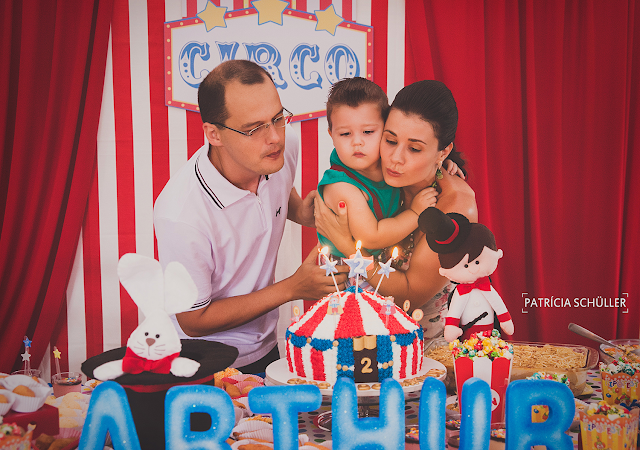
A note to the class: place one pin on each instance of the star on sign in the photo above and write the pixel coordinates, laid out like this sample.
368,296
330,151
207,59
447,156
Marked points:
213,16
26,356
357,265
329,267
385,268
57,353
27,342
328,20
270,10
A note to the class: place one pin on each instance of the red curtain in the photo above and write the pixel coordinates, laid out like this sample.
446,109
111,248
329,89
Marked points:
549,117
54,55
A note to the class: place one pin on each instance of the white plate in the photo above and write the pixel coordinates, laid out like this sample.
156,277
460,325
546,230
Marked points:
278,374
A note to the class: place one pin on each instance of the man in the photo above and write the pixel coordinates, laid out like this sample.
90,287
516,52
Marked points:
223,214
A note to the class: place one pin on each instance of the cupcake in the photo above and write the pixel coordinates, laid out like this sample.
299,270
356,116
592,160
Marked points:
30,394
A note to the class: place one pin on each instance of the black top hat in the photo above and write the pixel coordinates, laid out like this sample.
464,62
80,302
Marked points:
146,391
445,233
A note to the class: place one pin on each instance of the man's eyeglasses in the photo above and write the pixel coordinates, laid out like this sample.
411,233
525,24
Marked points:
261,130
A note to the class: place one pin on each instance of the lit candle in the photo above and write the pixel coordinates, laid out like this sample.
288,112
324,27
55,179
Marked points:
330,267
385,268
357,264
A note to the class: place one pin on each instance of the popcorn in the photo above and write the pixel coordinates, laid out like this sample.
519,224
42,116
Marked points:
10,429
481,345
550,376
620,381
620,366
612,412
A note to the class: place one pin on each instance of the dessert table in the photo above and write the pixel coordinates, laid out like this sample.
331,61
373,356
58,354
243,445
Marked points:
306,421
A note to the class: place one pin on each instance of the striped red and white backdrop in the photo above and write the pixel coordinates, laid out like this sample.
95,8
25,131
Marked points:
141,142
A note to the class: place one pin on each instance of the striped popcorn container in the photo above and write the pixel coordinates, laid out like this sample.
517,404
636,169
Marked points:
620,382
599,431
496,373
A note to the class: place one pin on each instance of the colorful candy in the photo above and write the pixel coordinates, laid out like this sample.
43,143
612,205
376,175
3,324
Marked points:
611,411
620,366
499,433
550,376
9,429
480,345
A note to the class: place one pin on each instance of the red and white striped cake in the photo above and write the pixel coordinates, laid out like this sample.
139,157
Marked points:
364,338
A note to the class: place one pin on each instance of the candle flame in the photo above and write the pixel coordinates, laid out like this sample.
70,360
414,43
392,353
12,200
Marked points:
324,250
394,255
358,245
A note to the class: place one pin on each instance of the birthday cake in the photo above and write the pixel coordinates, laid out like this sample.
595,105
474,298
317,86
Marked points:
364,337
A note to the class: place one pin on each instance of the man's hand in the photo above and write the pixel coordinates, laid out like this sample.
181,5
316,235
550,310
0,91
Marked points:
311,283
301,211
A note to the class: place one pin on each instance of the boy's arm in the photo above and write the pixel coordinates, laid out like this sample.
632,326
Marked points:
362,222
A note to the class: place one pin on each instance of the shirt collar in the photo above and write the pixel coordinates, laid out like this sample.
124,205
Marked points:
220,190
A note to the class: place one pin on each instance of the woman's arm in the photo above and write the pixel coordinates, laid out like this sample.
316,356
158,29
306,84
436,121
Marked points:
422,280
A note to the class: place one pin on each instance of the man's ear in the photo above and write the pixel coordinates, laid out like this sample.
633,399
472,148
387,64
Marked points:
212,133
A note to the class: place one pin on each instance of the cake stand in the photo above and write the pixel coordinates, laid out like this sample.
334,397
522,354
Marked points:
278,374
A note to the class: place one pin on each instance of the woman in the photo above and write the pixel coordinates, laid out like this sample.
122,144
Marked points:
418,136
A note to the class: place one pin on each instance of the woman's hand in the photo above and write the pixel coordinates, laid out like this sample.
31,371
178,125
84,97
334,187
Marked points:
334,227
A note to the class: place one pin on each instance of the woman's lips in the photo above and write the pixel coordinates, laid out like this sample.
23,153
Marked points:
393,173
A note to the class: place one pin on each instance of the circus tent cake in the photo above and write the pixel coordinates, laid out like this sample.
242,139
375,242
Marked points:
364,337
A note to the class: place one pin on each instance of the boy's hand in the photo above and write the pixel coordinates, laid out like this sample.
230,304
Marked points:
452,168
423,200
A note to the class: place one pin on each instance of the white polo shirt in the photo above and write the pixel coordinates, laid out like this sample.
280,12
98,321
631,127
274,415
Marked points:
227,238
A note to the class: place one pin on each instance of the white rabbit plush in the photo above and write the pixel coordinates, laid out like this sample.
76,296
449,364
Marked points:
155,345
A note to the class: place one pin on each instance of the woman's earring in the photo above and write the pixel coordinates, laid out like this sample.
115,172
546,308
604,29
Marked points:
438,174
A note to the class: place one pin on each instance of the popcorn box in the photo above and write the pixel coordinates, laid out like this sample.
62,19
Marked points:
620,387
496,373
599,432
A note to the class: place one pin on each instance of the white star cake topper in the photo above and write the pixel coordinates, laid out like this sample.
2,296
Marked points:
329,267
357,265
386,269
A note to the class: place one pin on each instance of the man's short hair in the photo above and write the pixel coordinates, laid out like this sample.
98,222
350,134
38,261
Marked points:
211,93
354,92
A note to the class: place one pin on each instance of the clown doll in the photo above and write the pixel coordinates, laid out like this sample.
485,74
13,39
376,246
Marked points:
468,255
